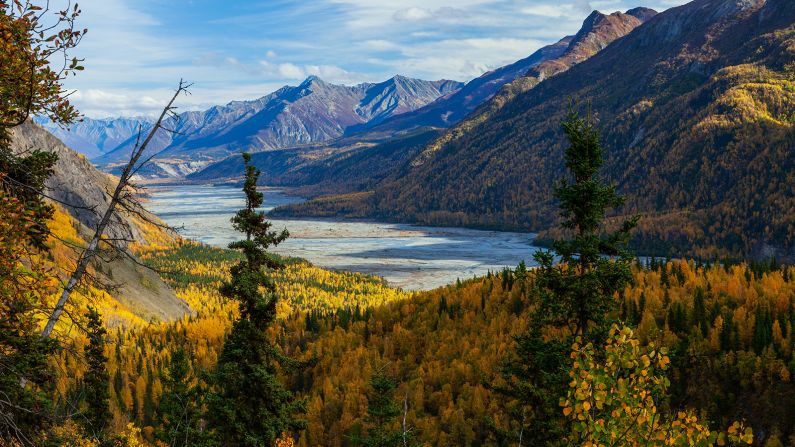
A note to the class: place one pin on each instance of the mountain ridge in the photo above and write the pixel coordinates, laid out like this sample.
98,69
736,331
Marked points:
501,83
313,111
78,189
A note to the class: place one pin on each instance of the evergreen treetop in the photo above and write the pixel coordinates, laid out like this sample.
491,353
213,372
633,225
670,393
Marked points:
572,291
381,413
96,380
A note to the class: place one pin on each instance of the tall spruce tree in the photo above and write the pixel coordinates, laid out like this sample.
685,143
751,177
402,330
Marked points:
249,405
573,290
179,410
96,381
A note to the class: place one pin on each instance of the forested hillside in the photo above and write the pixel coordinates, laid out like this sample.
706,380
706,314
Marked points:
327,170
729,328
696,106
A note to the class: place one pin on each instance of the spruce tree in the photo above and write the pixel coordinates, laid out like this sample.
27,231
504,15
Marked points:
381,413
179,410
249,405
96,381
573,289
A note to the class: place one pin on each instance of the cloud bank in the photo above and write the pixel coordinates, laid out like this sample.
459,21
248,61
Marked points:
136,51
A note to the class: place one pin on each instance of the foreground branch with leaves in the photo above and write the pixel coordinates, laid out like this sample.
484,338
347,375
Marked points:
616,396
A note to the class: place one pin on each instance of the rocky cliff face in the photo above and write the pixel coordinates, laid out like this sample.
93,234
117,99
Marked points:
81,190
75,181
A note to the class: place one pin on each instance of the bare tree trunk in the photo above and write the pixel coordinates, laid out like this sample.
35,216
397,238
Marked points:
124,182
405,412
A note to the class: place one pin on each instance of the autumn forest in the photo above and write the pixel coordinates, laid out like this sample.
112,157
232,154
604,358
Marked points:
658,309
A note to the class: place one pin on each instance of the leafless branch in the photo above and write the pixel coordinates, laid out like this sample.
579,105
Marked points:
119,193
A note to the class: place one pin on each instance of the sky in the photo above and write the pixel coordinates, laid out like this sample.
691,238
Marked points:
136,51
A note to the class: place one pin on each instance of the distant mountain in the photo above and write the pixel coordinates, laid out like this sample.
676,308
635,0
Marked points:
597,32
696,109
449,110
313,111
94,137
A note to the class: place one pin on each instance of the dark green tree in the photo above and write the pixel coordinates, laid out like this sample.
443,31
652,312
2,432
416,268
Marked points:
381,413
249,405
179,410
96,381
26,379
573,289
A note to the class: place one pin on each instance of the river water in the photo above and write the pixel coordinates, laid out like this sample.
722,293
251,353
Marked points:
406,256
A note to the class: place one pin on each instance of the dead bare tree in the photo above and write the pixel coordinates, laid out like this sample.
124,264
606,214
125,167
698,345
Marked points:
122,197
405,430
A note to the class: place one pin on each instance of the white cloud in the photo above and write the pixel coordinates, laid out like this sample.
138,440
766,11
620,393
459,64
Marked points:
381,45
559,10
412,14
415,14
293,72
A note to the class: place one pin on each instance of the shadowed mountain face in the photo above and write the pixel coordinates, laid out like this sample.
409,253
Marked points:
313,111
82,191
696,110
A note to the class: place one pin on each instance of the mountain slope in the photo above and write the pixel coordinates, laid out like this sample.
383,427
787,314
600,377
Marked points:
313,111
80,190
449,110
696,107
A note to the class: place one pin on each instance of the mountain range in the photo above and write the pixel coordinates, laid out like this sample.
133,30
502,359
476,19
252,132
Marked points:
597,31
335,116
376,152
312,111
95,137
695,105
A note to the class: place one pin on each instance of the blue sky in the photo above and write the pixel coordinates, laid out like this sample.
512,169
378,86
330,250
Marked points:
137,50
